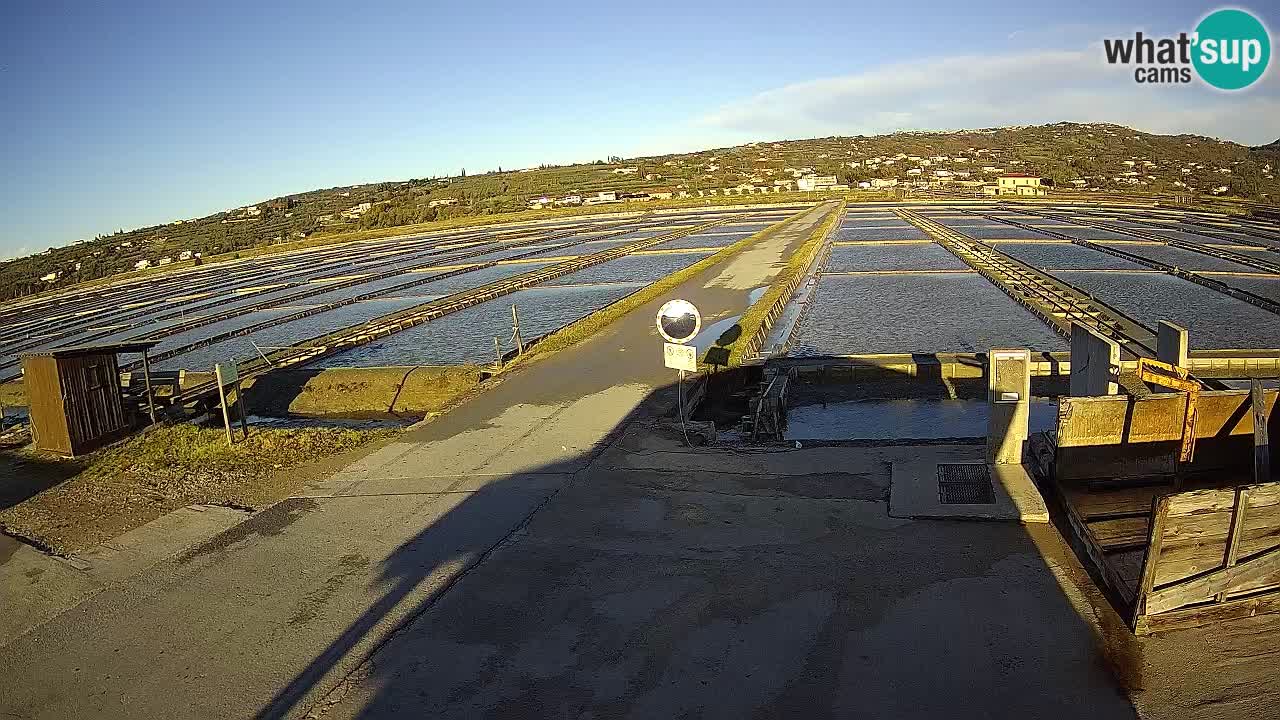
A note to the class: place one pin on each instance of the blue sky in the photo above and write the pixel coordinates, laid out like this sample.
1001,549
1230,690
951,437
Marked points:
120,115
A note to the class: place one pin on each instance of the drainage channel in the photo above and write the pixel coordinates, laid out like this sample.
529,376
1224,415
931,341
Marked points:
1056,302
778,340
1188,275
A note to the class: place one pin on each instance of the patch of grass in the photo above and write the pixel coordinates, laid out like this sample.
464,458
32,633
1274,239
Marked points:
759,318
584,328
363,392
88,500
13,394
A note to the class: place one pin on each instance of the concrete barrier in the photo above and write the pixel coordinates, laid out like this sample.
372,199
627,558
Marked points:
1095,361
1171,344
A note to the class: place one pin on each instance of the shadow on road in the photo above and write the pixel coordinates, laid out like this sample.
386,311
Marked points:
25,474
667,581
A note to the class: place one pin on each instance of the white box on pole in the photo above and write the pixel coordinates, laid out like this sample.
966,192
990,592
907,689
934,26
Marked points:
680,357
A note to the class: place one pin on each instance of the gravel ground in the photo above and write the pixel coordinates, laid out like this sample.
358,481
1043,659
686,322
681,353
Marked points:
71,505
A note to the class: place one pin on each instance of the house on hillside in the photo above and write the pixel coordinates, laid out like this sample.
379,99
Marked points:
356,211
1023,185
811,183
602,197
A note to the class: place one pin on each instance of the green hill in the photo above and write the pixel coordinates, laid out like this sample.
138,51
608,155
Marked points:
1102,156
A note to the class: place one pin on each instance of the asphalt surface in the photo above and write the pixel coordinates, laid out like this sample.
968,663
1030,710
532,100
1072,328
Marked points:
547,549
267,618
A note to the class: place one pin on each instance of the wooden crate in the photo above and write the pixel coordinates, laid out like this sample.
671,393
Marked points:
1166,557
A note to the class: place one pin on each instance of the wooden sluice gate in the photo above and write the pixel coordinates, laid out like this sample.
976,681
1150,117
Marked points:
769,415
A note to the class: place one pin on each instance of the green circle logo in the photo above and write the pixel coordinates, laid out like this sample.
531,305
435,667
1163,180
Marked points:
1232,49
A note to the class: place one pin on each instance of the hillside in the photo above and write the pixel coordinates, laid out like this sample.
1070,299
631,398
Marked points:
1099,156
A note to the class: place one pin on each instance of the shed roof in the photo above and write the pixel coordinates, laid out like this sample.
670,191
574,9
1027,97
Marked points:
136,346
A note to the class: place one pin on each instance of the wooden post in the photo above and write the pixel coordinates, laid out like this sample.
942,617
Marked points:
497,351
226,419
227,376
244,410
146,376
1233,537
1261,439
515,330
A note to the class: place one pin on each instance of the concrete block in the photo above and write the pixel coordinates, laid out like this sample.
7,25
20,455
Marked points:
1009,395
1171,344
1093,360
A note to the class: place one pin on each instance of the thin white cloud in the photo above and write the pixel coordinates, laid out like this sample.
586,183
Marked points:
1024,88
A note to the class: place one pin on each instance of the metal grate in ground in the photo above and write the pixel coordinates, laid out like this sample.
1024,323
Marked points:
965,484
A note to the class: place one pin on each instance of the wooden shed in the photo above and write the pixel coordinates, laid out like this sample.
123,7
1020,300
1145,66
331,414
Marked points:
74,396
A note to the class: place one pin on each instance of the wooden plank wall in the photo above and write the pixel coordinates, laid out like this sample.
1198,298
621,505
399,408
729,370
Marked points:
91,392
1209,548
1120,436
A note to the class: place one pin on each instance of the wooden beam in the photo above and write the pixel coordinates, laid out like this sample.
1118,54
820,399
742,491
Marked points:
1155,537
1233,535
151,403
1199,588
1261,442
1208,614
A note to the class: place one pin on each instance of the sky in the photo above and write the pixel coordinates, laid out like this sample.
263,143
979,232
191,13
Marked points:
123,115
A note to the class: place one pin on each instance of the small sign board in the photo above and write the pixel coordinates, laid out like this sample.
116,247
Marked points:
680,357
678,321
228,373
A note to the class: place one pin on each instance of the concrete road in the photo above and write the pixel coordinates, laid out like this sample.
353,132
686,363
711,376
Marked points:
265,619
728,585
